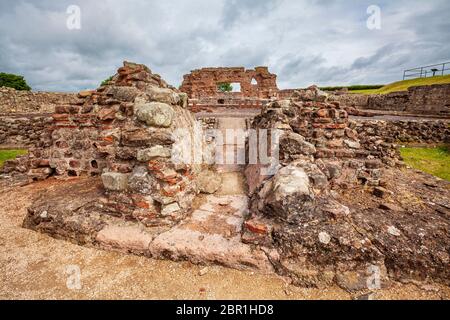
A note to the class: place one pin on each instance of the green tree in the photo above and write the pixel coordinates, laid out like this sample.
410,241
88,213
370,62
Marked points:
225,87
13,81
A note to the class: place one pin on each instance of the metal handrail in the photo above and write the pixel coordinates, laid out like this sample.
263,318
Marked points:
425,70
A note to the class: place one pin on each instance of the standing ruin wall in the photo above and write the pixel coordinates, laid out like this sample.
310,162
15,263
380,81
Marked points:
255,83
326,211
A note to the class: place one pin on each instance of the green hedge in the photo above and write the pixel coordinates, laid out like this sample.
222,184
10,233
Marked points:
13,81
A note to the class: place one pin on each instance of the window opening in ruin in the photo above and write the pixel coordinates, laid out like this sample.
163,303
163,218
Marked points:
229,87
254,82
221,101
236,87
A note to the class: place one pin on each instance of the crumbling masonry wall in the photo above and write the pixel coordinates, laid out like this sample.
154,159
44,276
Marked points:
15,101
125,132
381,137
25,116
25,130
323,236
431,100
203,83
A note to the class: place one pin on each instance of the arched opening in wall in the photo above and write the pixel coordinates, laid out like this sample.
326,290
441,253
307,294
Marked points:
221,101
254,82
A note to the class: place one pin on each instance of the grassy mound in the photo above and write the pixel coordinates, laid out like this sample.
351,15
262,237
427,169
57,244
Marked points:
435,161
404,85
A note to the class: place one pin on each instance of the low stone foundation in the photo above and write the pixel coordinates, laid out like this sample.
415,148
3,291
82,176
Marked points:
405,131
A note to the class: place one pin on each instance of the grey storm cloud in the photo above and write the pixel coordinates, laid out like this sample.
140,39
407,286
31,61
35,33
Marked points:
303,41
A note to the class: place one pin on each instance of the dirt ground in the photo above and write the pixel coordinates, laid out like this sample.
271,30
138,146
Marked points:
35,266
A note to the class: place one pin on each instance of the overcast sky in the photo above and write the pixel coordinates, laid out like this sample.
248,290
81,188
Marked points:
303,41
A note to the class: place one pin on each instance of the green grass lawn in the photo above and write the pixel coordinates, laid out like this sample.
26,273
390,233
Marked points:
10,154
435,161
404,85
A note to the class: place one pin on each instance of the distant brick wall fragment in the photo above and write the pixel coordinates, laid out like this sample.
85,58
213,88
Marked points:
15,101
256,83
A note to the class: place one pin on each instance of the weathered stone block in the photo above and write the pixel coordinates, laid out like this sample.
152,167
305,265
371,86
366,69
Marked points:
163,95
155,114
115,181
170,209
153,152
140,181
290,192
352,144
126,94
209,182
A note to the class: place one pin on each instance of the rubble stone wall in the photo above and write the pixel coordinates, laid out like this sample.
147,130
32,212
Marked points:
424,100
406,131
203,82
381,138
15,101
25,130
359,101
316,130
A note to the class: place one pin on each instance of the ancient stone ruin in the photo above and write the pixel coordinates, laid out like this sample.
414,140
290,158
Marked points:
333,205
257,83
257,86
305,212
